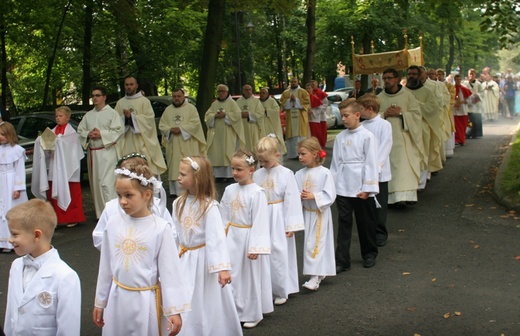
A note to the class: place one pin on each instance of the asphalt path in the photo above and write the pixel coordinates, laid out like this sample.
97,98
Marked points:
449,267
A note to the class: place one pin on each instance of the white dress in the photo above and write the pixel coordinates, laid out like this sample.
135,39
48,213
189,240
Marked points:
204,255
285,214
12,177
136,251
244,212
112,207
318,252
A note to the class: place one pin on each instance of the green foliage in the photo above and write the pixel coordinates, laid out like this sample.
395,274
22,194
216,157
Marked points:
510,183
171,40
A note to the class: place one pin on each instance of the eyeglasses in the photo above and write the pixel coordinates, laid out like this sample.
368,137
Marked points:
97,95
388,78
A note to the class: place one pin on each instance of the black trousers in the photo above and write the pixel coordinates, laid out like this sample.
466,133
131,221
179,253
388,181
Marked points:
382,199
476,121
365,212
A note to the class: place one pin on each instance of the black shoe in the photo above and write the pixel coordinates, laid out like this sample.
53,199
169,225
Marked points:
340,268
381,242
369,262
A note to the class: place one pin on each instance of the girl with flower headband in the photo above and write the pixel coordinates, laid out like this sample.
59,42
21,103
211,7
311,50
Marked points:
112,207
138,247
245,215
12,178
285,214
317,193
203,253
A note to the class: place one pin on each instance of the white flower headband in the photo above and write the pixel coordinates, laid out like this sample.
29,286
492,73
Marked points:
250,160
193,164
143,180
271,135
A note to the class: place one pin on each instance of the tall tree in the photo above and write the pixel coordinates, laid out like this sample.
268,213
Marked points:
210,55
308,65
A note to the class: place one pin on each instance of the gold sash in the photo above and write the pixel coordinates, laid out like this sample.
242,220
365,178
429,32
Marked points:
155,288
319,219
185,249
276,202
241,226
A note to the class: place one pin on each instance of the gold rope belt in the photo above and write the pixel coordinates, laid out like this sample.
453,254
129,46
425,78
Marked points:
275,202
240,226
155,288
318,230
185,249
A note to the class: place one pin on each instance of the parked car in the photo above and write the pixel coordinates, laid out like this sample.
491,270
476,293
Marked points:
28,127
335,98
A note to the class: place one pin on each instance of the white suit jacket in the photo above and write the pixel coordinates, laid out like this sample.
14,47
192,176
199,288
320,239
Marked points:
51,303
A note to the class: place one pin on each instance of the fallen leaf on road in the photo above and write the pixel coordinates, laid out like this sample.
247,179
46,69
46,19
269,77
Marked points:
512,211
493,207
401,230
447,315
434,279
472,242
416,334
458,313
517,258
470,205
476,247
412,309
406,273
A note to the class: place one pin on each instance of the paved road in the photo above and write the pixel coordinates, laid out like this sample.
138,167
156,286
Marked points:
449,267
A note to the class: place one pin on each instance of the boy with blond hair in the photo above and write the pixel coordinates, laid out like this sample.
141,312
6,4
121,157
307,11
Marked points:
355,170
44,293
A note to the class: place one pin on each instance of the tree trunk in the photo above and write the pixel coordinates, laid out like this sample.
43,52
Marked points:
5,83
50,62
87,51
211,50
311,42
451,51
126,18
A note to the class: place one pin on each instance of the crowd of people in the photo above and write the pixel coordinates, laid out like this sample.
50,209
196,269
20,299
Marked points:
215,266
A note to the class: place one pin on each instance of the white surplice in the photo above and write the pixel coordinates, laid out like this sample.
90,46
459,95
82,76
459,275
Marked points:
12,178
112,208
245,214
318,252
135,253
102,153
61,166
285,214
51,302
203,241
382,130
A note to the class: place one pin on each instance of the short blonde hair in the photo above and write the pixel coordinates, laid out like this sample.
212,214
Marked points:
268,144
369,100
65,110
34,214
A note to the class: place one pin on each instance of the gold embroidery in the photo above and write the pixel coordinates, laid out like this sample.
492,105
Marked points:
175,310
130,249
319,219
219,267
257,250
236,205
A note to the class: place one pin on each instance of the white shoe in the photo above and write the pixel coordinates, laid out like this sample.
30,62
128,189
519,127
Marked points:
250,325
312,284
279,301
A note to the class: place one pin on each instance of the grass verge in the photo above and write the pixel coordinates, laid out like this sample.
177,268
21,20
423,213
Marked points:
511,177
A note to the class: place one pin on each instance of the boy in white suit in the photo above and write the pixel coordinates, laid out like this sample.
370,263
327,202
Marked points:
44,293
